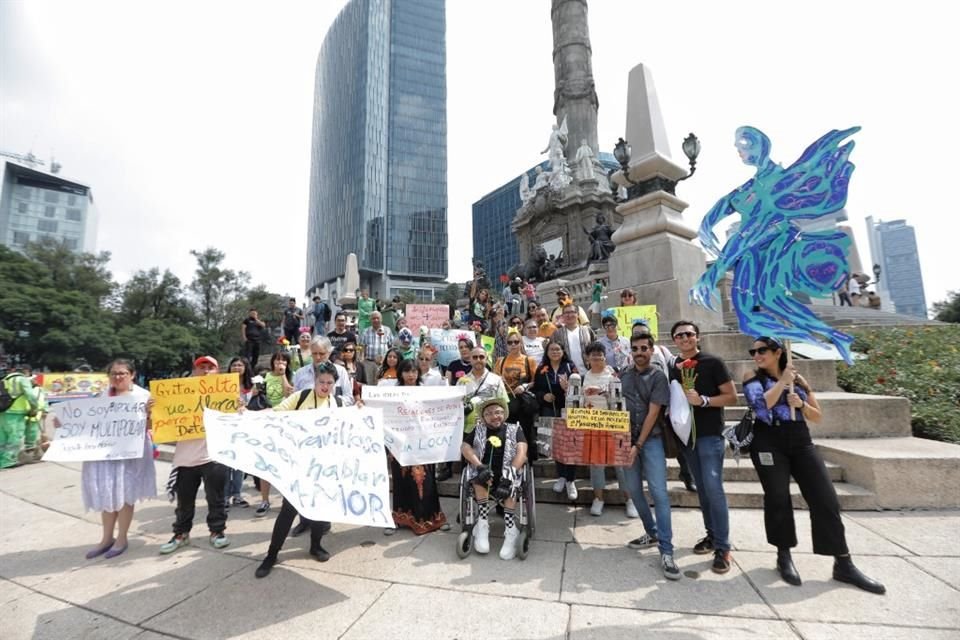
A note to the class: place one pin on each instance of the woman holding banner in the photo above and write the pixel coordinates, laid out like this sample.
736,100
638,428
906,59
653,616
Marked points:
416,501
113,487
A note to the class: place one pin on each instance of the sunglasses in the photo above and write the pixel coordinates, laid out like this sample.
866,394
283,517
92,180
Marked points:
516,324
424,359
513,342
760,350
684,334
349,350
478,357
642,348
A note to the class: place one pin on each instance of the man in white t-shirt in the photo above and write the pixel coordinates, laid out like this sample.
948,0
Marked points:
573,336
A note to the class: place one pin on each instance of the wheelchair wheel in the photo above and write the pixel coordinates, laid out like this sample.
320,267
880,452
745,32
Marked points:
464,543
530,502
523,544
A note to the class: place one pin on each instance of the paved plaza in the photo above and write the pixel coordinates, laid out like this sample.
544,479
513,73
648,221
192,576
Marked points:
579,581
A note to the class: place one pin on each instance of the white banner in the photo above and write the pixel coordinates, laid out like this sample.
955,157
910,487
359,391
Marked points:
421,425
103,428
329,463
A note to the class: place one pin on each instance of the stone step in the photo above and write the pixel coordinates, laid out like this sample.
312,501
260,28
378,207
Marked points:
739,495
732,471
822,374
903,472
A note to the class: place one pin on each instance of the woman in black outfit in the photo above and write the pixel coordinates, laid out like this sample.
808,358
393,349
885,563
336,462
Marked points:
550,387
782,448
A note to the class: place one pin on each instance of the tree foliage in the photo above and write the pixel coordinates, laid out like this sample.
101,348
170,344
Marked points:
948,310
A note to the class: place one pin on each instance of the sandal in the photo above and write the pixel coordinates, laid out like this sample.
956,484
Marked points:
99,551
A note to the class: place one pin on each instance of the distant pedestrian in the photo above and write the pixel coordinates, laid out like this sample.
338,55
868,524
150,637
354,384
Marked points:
251,332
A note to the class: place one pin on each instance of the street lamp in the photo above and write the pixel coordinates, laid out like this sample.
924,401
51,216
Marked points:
876,273
622,152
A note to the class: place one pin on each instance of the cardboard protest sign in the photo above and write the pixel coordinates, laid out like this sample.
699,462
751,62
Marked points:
626,316
426,315
422,425
445,342
103,428
179,403
488,342
589,445
328,463
597,419
72,385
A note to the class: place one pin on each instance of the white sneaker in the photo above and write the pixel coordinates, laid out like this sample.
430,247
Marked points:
596,508
481,536
559,484
509,549
572,492
631,509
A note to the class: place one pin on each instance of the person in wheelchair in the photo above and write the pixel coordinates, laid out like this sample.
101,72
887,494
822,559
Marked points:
496,452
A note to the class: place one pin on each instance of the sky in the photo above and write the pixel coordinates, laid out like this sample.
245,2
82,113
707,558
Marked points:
192,121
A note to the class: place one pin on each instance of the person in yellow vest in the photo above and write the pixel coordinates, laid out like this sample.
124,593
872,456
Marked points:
21,402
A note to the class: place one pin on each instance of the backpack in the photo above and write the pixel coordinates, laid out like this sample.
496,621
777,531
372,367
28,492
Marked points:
6,398
306,392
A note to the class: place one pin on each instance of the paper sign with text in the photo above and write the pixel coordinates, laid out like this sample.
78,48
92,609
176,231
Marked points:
422,425
587,446
179,403
445,342
598,419
103,428
426,315
626,316
328,463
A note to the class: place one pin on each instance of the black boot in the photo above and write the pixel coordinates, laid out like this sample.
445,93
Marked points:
845,571
264,569
786,569
301,527
317,551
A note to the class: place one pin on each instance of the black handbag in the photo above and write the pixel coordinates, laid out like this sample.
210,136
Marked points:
740,435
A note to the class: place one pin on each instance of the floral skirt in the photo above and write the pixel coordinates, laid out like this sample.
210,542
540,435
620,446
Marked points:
416,502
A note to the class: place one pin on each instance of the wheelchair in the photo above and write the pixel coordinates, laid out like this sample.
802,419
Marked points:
526,511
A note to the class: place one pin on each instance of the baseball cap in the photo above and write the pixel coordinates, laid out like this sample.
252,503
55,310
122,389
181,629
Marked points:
207,360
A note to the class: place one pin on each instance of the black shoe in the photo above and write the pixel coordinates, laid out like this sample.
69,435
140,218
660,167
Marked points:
689,485
264,569
444,473
721,561
301,527
321,554
786,569
845,571
704,546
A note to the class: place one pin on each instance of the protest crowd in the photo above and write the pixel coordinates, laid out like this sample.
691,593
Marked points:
361,400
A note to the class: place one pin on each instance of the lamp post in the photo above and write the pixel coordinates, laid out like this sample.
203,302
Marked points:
622,152
876,273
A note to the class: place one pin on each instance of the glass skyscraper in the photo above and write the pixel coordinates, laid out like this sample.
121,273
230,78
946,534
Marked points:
378,183
894,247
493,241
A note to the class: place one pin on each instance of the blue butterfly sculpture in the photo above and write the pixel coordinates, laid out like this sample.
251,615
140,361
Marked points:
771,258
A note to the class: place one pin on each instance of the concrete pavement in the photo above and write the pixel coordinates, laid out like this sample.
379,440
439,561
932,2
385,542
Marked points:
579,581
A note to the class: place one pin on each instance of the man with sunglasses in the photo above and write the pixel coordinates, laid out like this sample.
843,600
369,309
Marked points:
481,384
713,390
646,392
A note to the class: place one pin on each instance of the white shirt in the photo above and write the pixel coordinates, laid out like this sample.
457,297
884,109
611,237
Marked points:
303,379
854,287
576,351
533,347
433,378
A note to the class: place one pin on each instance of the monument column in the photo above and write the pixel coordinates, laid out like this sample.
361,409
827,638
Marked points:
574,95
655,254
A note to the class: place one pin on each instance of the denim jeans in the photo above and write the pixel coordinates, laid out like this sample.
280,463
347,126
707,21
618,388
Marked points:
706,464
652,464
234,484
598,477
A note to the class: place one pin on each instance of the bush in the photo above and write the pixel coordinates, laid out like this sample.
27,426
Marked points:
921,364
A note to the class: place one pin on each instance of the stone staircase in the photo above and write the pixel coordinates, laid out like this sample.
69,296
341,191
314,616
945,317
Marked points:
866,441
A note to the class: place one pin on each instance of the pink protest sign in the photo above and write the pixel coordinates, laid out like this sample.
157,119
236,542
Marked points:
427,315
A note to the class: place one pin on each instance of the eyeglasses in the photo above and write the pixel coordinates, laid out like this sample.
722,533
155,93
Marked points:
684,334
513,342
642,348
530,326
760,350
424,359
569,313
349,350
119,374
516,324
478,357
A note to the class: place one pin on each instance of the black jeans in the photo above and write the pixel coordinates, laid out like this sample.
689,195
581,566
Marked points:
566,471
283,523
251,351
685,475
214,477
787,450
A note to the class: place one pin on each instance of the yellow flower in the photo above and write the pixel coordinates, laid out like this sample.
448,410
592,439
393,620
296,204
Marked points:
494,441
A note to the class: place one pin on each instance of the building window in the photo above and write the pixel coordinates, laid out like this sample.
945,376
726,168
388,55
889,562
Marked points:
75,214
24,191
50,211
70,243
51,196
71,199
22,207
47,225
20,238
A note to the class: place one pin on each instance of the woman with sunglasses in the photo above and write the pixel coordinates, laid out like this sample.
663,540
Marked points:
517,370
416,501
781,448
356,370
532,342
430,375
550,386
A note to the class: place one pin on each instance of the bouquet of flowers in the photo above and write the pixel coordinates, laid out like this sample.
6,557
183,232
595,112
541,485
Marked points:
688,378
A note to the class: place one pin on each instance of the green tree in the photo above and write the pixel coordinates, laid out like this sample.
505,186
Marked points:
948,310
71,271
265,302
215,287
159,347
150,294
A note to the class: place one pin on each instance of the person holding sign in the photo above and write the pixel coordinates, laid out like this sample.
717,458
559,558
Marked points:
113,487
416,501
193,465
496,452
320,396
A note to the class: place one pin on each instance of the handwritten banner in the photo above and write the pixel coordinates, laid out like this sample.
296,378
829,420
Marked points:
426,315
587,446
626,316
179,403
445,342
104,428
421,425
72,386
328,463
598,419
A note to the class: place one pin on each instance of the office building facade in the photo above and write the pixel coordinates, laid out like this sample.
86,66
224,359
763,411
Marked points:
493,241
36,204
893,246
378,182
